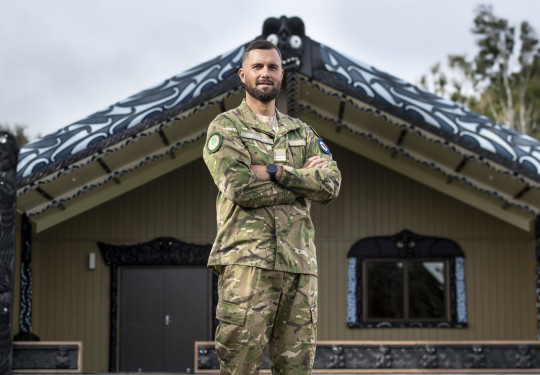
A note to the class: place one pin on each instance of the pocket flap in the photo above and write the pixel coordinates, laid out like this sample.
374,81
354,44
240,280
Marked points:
231,313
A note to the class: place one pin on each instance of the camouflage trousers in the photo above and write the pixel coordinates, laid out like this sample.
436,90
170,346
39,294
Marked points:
260,308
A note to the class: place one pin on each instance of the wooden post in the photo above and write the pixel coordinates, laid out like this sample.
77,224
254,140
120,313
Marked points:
8,200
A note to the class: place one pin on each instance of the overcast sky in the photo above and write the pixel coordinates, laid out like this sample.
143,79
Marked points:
62,60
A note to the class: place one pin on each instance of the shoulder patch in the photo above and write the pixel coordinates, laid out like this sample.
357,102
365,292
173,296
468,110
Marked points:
324,148
214,142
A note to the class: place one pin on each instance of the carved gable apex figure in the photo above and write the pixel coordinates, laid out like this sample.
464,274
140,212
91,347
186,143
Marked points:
289,35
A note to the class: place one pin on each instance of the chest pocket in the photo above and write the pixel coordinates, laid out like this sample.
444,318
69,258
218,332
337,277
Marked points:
297,152
259,146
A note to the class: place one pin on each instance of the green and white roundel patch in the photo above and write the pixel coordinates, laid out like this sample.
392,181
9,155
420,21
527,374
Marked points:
214,142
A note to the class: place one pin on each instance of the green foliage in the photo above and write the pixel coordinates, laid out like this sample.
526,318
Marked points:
501,81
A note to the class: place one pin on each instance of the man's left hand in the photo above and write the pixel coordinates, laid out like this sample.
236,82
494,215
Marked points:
312,162
260,171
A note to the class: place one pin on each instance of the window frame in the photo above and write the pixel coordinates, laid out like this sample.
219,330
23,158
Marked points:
409,246
406,296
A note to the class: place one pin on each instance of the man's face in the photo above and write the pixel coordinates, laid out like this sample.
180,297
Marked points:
262,74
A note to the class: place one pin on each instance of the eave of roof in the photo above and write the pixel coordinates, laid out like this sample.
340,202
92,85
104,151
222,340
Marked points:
409,150
437,115
127,118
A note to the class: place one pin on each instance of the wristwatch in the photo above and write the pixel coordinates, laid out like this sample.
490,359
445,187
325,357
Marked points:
272,169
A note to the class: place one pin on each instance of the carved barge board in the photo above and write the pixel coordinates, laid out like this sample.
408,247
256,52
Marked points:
406,357
47,357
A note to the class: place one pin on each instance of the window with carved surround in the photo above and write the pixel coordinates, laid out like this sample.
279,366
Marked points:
406,280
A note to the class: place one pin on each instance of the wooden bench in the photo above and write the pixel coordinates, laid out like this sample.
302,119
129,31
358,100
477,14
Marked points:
348,357
47,357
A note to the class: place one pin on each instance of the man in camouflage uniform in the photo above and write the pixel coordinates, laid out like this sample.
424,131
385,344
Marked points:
268,168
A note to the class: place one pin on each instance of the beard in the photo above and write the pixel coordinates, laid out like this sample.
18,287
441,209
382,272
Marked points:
264,96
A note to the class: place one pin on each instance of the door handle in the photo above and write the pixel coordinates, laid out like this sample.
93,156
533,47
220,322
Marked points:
168,320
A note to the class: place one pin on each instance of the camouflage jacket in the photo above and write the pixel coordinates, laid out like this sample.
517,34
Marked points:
263,223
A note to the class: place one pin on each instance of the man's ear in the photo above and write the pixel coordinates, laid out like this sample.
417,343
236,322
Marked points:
242,75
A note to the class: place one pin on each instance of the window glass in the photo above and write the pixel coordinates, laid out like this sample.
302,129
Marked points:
385,290
407,290
427,289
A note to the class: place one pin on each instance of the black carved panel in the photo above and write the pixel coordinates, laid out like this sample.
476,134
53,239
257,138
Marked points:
164,251
405,244
47,356
8,188
25,303
427,356
161,251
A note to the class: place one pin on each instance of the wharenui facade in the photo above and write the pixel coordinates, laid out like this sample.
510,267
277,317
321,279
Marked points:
427,260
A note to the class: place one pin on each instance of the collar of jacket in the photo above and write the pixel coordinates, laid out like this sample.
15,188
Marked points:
285,122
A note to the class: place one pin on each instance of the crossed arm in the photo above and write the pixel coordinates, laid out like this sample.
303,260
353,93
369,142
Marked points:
249,185
313,161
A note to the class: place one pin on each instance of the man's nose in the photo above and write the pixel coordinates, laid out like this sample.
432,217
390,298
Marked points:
265,72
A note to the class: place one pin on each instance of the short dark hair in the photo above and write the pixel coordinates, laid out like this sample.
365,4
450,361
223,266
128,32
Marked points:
259,44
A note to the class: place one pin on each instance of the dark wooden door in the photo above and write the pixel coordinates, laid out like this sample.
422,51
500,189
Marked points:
163,310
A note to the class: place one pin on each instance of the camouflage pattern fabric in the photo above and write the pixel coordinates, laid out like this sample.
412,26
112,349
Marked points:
259,308
261,223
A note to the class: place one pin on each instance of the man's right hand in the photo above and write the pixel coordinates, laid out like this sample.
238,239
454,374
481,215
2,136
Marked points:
315,161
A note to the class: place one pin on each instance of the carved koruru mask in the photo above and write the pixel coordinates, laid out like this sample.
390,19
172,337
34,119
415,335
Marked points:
289,35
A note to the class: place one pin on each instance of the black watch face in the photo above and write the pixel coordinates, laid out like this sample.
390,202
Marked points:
271,168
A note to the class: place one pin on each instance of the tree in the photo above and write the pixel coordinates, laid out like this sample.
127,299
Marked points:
18,131
500,81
